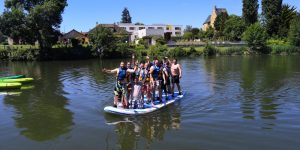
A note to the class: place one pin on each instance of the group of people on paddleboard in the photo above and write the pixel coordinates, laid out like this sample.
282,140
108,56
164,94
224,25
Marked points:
145,78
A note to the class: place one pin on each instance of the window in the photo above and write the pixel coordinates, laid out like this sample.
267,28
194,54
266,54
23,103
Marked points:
168,28
160,28
178,33
150,27
140,28
177,28
131,28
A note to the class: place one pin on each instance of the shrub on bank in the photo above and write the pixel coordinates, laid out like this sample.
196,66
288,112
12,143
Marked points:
256,37
284,49
209,50
232,50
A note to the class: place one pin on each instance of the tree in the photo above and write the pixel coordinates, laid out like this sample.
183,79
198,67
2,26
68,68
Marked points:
234,28
13,24
256,37
220,24
220,21
294,33
271,13
210,32
40,18
288,13
188,28
103,40
188,36
126,18
195,32
250,11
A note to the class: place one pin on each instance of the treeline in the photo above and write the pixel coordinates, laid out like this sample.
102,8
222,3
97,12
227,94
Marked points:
31,21
276,27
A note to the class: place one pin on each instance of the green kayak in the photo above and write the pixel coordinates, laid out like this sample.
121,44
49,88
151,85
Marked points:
21,80
7,86
13,77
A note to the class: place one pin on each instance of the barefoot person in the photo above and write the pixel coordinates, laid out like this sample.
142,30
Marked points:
176,72
136,96
121,84
166,84
155,79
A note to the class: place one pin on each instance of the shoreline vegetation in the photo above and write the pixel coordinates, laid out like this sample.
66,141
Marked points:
63,52
276,31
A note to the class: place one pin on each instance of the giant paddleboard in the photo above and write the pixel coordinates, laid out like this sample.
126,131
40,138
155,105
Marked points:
148,108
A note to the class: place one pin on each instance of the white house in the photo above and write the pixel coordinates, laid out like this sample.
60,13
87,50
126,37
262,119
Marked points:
137,31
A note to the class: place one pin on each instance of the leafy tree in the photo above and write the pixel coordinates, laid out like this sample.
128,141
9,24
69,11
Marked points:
210,32
250,11
271,13
294,33
288,13
220,21
103,41
126,18
188,28
14,24
234,28
201,34
40,18
256,37
195,32
188,36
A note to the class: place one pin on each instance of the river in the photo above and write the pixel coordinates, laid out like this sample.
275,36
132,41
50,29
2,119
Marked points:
237,102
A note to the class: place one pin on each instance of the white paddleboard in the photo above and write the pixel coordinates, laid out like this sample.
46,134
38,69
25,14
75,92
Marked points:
148,107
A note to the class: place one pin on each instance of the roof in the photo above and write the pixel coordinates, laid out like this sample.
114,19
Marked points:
221,10
73,34
207,20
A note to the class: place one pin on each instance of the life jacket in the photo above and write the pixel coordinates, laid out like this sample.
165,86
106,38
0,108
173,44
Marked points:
142,74
156,72
122,74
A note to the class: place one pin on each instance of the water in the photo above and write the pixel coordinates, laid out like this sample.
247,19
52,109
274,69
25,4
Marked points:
232,103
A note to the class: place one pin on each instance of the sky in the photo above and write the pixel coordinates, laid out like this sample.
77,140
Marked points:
82,15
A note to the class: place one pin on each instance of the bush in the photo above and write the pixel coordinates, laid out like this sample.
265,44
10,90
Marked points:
232,51
280,49
75,42
277,42
209,50
294,33
176,52
256,37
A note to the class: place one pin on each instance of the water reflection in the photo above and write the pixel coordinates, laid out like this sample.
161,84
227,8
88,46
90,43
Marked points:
259,78
41,114
141,131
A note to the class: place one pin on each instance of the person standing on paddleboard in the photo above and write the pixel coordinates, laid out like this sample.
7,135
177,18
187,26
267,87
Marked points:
156,78
176,73
121,84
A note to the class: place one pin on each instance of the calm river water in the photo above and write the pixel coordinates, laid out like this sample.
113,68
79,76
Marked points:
231,103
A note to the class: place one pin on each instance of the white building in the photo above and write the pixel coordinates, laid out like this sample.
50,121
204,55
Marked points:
140,31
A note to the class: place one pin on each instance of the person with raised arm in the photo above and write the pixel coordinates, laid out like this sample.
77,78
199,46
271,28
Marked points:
120,90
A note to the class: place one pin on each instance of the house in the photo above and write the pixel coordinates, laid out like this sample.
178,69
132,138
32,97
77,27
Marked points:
136,30
73,34
210,21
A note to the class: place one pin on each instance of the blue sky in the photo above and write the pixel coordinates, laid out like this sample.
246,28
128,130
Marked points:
82,15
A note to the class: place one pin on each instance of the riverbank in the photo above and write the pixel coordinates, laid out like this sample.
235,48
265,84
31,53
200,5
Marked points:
62,52
33,53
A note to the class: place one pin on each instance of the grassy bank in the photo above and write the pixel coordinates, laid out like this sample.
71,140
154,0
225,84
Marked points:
31,53
67,52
